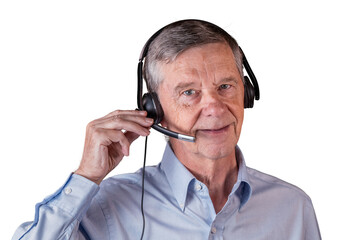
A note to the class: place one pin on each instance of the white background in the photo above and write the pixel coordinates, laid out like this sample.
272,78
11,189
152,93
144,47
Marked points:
65,63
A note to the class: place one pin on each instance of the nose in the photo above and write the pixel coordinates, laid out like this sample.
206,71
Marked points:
212,104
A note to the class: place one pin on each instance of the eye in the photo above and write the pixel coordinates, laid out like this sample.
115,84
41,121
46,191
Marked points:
189,92
224,86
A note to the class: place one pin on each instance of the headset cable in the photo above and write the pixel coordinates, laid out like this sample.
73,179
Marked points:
143,175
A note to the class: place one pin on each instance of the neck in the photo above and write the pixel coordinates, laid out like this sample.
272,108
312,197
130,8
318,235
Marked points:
219,175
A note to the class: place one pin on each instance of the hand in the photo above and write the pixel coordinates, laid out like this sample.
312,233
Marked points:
108,140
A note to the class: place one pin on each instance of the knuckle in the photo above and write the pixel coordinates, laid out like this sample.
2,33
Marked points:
91,125
116,118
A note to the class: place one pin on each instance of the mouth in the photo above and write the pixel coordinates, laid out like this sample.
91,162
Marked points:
214,131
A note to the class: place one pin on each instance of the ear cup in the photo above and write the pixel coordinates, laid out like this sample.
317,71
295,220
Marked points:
153,107
249,93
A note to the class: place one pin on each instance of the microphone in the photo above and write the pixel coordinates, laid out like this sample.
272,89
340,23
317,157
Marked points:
171,133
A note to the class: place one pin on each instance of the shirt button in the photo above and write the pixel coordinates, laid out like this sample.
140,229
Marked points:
198,187
67,191
213,230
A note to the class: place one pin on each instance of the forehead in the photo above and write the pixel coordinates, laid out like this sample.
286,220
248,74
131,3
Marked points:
208,59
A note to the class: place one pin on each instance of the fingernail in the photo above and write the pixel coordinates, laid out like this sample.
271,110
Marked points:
149,120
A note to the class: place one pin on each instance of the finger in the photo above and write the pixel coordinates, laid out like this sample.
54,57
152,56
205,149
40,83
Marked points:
118,137
116,150
135,116
115,153
139,119
126,112
139,125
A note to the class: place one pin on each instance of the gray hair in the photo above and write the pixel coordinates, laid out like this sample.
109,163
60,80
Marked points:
179,36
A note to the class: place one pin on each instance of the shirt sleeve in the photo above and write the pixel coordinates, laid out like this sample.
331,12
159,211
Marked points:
312,231
58,216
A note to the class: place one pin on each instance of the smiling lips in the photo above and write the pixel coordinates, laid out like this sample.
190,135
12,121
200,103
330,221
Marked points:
215,131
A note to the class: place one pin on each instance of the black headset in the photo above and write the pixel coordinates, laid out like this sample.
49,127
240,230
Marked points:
150,102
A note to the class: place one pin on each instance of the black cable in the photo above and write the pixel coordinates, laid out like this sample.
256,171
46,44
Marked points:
143,174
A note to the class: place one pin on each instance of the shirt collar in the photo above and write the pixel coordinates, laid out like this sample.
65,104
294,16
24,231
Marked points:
242,187
179,178
177,175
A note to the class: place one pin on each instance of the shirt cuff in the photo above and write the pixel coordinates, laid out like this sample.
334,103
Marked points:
74,197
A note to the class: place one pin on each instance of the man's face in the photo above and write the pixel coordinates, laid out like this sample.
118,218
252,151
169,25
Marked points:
202,95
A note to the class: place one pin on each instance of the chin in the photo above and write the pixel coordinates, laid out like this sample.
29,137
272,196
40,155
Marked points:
217,150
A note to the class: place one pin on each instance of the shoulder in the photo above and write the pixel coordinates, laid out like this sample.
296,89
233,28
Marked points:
267,185
131,183
281,208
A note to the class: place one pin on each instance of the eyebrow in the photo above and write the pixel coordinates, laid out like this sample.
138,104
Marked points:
229,79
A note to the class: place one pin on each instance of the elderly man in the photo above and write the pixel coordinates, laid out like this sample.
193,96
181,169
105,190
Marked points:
202,189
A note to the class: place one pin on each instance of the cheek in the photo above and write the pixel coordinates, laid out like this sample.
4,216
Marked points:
236,112
236,106
240,118
182,116
239,115
178,116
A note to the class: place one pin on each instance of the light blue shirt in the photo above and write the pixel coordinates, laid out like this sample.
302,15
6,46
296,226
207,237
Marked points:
176,205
